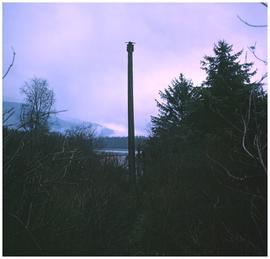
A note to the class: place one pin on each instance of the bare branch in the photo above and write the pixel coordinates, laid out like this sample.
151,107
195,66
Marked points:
251,25
265,4
254,217
69,163
256,138
10,66
8,114
226,120
21,146
252,50
225,169
39,100
244,138
29,215
27,230
265,75
239,185
259,150
245,124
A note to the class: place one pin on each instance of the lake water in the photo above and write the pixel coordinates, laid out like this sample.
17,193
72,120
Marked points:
120,154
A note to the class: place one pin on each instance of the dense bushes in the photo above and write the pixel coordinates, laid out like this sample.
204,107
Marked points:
60,198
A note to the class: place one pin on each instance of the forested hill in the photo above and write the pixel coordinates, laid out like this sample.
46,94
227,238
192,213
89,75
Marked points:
12,113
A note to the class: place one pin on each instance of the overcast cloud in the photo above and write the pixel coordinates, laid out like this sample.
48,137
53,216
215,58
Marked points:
80,49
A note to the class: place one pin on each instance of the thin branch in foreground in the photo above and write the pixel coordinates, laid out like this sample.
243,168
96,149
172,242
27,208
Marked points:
259,150
10,66
244,138
228,173
251,25
265,75
29,215
8,114
254,54
245,124
27,230
239,190
265,4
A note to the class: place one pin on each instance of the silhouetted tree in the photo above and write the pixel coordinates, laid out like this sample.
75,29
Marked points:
235,105
175,107
205,163
39,100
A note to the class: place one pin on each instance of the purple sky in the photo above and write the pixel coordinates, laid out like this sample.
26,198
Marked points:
80,49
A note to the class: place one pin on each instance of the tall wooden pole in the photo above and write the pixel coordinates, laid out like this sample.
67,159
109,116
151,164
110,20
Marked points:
131,141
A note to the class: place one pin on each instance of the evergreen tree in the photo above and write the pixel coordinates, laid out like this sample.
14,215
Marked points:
175,108
227,86
234,106
207,157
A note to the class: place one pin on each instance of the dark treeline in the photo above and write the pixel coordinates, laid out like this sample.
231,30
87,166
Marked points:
201,177
119,142
205,164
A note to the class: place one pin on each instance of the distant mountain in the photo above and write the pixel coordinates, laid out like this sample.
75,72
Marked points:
11,118
61,125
